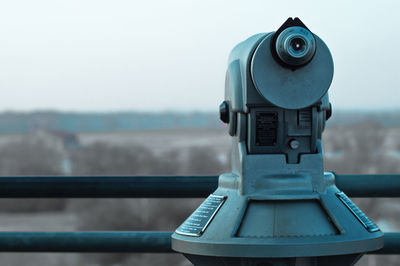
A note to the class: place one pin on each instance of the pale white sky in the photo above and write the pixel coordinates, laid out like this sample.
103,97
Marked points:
93,55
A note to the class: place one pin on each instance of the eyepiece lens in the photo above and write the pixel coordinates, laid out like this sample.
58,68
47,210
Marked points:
295,46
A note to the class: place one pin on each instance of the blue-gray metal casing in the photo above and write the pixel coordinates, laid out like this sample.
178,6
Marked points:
252,71
272,208
319,224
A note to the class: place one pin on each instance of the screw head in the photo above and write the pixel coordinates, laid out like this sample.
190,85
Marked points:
294,144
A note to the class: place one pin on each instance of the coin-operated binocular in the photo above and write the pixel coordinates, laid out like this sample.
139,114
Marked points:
277,207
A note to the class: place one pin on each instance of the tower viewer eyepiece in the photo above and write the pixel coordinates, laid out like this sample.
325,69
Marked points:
295,46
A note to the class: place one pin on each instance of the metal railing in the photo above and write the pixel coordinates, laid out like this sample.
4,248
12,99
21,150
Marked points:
165,186
119,242
146,187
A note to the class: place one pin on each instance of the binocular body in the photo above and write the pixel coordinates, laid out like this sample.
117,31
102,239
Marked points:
277,206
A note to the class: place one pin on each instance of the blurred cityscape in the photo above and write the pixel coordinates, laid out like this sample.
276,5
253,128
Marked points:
53,143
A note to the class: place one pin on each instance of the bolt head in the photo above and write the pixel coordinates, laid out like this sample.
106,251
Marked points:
294,144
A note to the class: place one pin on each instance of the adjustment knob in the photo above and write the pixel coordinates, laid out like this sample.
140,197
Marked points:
224,112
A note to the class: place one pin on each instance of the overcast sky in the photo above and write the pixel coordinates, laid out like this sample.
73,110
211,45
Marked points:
81,55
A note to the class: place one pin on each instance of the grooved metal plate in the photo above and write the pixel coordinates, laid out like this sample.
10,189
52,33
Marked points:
198,221
364,220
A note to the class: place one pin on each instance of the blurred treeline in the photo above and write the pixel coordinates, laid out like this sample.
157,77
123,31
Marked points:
363,148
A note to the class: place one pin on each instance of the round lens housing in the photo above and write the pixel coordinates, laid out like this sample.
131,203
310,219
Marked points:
295,46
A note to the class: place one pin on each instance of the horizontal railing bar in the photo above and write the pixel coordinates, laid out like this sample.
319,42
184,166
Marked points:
107,186
155,242
391,245
369,185
117,241
164,186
